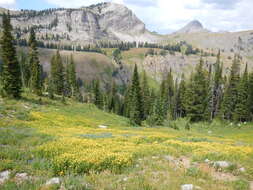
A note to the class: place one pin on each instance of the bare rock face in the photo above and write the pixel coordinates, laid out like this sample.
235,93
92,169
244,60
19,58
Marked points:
101,22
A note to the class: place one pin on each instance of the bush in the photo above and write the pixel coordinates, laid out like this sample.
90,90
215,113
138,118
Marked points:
241,185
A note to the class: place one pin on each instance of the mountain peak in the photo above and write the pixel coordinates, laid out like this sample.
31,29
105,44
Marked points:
194,26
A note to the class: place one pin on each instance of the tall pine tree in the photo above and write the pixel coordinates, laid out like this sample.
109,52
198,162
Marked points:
71,77
136,101
36,82
196,94
241,112
146,95
57,74
11,75
250,96
230,96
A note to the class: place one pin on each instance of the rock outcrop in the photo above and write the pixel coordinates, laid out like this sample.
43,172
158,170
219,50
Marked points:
101,22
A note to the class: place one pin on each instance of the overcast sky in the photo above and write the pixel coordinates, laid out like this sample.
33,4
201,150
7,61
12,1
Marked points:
165,16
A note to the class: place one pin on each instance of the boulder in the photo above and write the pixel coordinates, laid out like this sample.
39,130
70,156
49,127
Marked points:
102,127
187,187
4,176
222,164
190,187
169,158
20,177
242,169
53,181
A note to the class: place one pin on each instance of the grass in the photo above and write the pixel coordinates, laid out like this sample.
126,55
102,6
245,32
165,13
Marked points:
46,138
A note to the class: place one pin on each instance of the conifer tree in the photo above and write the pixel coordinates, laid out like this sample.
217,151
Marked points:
156,114
112,103
36,83
170,90
196,94
136,101
164,98
231,91
11,75
98,97
145,95
216,89
127,102
71,77
250,96
241,112
57,74
25,69
179,99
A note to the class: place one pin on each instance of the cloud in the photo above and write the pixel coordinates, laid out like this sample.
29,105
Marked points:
222,4
7,3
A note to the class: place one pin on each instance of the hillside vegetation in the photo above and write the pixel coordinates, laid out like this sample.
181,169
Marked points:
46,138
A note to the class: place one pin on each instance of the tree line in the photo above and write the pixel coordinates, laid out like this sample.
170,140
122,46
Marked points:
208,94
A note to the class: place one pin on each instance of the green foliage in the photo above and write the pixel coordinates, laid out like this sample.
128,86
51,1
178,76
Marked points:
146,96
241,185
231,91
98,96
195,95
57,74
136,100
36,81
241,112
11,75
117,55
71,79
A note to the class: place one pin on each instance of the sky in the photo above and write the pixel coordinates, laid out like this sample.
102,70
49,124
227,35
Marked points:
166,16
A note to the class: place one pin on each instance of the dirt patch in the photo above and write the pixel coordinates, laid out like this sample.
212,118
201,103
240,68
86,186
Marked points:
251,185
215,174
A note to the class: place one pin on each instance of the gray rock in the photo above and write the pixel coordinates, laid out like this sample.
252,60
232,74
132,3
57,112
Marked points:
21,177
53,181
104,21
187,187
169,158
207,160
102,127
242,169
4,176
222,164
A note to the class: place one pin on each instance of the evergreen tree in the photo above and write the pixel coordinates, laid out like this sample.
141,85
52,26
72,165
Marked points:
196,94
127,102
98,97
11,75
250,96
231,91
136,101
145,95
112,103
36,83
57,74
178,101
71,78
164,99
241,112
24,69
156,114
170,91
216,89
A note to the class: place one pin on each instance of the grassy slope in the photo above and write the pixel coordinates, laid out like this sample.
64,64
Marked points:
47,138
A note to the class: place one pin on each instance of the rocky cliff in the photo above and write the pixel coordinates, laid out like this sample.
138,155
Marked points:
101,22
